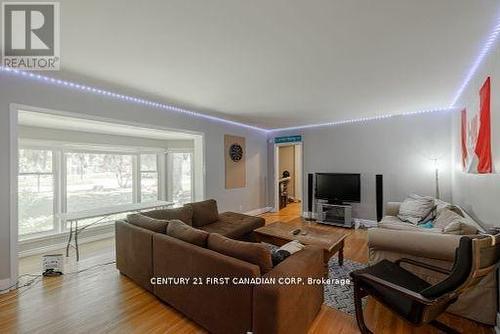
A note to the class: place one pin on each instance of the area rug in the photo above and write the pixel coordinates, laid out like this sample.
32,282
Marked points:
337,295
341,296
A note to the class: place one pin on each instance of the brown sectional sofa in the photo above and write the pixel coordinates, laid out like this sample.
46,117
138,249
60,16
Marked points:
142,254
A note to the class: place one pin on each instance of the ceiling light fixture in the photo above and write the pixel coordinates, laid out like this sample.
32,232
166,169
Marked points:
122,97
363,119
484,52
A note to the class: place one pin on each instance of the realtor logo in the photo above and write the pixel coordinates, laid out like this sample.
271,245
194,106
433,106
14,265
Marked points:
30,38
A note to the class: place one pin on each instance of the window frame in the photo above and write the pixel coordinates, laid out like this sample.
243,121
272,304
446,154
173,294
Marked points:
55,195
59,172
158,171
169,174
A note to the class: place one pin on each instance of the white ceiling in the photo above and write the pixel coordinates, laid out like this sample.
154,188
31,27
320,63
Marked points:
278,63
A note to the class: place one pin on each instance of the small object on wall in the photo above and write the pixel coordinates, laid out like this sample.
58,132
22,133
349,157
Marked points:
53,265
236,152
483,145
235,161
476,135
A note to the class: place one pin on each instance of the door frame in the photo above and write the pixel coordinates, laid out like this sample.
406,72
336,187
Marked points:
276,176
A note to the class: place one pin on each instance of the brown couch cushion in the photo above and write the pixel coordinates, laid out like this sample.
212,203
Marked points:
182,231
234,225
155,225
257,254
184,214
204,212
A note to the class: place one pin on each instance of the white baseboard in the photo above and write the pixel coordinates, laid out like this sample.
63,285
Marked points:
367,223
305,214
62,245
259,211
4,284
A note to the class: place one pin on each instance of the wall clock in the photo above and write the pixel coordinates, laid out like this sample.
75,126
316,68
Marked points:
236,152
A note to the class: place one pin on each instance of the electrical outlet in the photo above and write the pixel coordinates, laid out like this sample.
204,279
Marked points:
241,208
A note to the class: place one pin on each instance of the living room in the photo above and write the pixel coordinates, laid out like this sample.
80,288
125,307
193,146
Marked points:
265,167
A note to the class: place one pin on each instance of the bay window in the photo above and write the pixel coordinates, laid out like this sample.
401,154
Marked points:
149,177
181,177
95,180
36,191
58,180
55,181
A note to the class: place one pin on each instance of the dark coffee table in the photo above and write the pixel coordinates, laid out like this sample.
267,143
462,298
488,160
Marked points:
326,237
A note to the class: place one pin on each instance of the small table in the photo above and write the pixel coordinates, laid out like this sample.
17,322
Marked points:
326,237
102,214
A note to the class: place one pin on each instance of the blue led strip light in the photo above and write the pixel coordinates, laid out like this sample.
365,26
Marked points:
484,52
131,99
363,119
126,98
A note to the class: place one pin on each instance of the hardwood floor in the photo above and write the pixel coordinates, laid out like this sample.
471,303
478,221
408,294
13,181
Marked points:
100,300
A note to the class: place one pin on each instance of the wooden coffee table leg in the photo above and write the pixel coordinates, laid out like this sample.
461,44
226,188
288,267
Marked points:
341,254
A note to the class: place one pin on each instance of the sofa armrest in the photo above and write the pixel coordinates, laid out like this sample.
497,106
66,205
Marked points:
392,208
282,308
422,244
134,247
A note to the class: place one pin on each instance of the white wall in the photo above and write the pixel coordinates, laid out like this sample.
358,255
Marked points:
478,194
400,148
24,91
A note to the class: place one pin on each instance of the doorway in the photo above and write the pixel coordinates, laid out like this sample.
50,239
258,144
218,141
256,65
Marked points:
288,175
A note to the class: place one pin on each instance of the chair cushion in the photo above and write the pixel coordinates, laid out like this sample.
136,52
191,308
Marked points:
155,225
184,214
255,253
234,225
204,212
393,273
182,231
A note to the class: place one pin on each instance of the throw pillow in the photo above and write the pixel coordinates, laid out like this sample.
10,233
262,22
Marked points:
452,223
285,251
148,223
184,214
204,212
182,231
257,254
415,209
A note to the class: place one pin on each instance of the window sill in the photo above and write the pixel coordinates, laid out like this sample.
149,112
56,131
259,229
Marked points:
57,242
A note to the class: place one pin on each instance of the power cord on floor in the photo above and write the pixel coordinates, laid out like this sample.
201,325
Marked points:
17,286
36,279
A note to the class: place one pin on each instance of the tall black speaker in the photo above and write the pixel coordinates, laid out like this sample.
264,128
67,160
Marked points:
310,195
379,190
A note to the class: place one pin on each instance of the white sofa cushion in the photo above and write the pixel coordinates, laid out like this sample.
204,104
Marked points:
452,223
415,209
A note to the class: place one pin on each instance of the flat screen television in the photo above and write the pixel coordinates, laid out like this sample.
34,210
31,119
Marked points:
337,187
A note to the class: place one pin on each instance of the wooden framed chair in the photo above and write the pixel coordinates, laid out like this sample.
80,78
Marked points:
416,300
